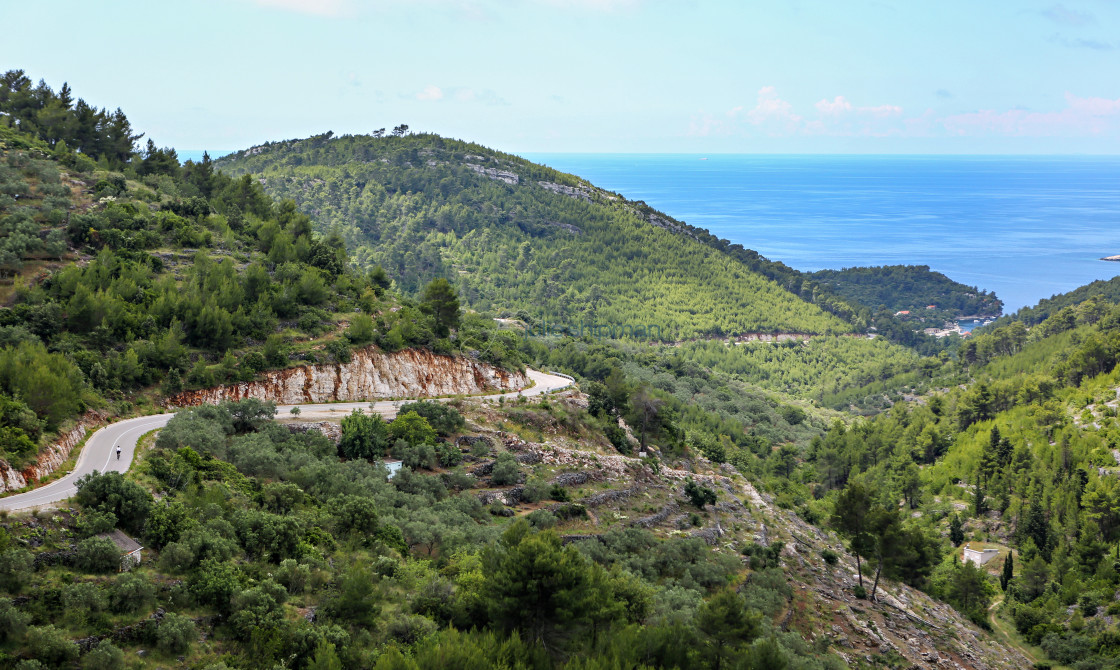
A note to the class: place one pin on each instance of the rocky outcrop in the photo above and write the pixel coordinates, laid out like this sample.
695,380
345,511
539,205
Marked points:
370,374
495,173
330,430
51,458
578,192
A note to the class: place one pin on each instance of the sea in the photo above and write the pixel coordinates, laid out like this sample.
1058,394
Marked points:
1025,228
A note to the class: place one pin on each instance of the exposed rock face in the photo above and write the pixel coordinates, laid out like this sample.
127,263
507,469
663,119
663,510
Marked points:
495,173
50,458
370,374
578,192
662,222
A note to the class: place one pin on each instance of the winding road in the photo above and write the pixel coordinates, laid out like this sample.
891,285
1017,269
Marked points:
99,452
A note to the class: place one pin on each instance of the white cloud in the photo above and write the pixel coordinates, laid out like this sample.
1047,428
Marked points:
771,112
776,117
430,92
1081,117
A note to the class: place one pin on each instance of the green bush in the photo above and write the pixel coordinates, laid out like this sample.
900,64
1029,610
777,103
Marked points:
13,623
412,428
105,656
51,646
699,495
98,555
441,416
132,592
506,470
15,569
176,633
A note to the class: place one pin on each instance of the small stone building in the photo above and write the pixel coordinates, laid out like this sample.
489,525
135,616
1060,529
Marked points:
976,554
129,548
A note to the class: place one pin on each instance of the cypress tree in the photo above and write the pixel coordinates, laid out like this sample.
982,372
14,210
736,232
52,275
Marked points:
956,532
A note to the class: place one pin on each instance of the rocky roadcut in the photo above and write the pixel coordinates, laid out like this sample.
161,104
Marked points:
369,375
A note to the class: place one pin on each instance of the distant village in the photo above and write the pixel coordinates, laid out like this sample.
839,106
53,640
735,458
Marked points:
949,327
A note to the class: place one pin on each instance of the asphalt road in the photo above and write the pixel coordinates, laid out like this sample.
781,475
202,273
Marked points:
99,453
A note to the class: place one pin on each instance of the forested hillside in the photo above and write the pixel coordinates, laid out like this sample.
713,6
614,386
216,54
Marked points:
516,236
128,275
1108,291
1026,458
914,288
680,504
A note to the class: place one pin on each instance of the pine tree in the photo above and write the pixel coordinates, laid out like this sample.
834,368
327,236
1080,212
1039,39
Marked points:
441,302
956,531
850,519
978,506
1008,572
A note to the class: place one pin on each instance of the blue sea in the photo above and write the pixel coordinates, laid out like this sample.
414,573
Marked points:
1023,227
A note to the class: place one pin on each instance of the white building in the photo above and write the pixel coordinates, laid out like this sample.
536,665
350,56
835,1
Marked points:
974,553
131,551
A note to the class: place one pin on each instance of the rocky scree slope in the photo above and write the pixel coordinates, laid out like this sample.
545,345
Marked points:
903,623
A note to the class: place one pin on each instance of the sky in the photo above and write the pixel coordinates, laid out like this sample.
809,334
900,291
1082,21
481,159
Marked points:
640,76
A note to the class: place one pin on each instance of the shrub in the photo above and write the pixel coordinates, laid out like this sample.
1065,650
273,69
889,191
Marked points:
699,495
830,556
132,592
363,436
617,437
361,330
415,456
13,622
535,490
176,633
443,418
49,645
99,555
506,470
542,519
111,492
106,656
449,455
15,569
411,628
83,597
412,428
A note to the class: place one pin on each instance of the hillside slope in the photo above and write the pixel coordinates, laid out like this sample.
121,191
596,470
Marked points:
519,236
130,277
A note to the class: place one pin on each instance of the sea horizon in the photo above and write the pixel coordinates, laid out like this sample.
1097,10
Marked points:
1025,226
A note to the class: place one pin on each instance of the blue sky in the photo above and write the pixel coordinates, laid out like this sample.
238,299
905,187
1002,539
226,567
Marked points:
595,75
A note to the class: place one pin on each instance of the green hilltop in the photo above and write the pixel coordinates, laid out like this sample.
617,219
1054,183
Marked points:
520,237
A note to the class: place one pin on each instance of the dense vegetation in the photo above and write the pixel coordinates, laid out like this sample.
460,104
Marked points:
913,288
1024,457
135,274
1107,291
521,237
132,275
256,523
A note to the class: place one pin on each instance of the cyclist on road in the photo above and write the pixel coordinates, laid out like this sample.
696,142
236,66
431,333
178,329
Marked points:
118,452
